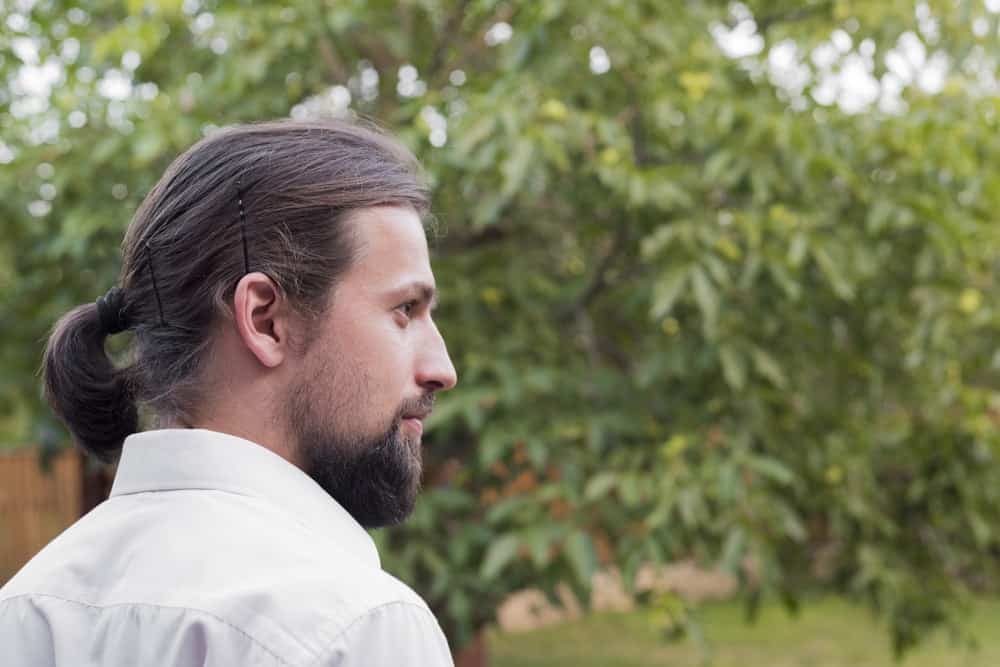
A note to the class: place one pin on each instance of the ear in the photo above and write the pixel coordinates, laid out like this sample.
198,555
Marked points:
260,313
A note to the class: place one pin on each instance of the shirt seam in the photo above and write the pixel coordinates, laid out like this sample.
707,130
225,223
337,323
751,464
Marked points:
359,550
122,494
81,603
368,614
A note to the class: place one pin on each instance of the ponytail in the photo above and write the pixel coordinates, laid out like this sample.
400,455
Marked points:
85,390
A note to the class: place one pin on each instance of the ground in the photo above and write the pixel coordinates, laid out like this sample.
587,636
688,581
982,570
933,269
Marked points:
828,633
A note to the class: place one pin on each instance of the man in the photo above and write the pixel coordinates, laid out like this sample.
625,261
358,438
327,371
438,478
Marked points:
278,289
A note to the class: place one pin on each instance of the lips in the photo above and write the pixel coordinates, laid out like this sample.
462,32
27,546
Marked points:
415,424
419,411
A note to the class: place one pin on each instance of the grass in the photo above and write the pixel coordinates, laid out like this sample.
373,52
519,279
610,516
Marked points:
827,633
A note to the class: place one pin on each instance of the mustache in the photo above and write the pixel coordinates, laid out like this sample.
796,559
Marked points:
422,404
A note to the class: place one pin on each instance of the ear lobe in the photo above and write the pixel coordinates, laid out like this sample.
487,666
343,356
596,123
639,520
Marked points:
260,317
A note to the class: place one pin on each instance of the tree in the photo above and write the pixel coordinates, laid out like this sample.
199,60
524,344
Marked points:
700,304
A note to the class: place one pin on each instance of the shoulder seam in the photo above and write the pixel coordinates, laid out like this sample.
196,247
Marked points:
367,614
241,631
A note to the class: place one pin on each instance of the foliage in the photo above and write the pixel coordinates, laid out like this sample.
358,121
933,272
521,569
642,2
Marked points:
693,312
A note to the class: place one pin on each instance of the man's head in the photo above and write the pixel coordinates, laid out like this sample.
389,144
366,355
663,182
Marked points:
278,284
357,396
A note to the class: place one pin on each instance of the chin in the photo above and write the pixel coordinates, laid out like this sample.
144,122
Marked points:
376,480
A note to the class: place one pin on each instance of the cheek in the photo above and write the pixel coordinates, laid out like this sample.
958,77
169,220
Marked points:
385,356
375,355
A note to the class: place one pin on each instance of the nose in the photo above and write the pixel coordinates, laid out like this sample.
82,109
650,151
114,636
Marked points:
435,372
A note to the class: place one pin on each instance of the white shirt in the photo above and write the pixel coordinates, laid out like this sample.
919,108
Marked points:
213,551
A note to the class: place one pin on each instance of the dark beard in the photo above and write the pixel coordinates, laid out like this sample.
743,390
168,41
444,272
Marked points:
375,479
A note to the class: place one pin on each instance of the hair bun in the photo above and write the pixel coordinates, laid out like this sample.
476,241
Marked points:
111,310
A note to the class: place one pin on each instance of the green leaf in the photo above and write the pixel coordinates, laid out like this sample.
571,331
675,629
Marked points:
834,274
717,165
771,468
797,250
540,540
667,290
472,136
707,299
599,485
579,548
733,550
500,552
767,366
734,366
515,168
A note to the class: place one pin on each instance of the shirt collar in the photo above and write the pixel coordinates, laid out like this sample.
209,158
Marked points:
172,459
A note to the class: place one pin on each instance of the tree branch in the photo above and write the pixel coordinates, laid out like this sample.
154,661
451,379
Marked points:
333,63
599,280
636,126
485,236
327,52
766,22
451,25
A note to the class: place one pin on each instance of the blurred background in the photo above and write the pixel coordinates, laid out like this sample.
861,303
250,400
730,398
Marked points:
718,278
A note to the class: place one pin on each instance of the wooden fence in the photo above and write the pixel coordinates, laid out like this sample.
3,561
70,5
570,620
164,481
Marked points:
35,505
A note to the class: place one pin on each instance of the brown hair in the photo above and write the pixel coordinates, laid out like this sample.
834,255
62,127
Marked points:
297,181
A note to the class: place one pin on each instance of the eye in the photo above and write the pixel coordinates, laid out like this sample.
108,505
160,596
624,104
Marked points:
407,308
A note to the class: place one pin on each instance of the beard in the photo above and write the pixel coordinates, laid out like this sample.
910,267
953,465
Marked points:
376,478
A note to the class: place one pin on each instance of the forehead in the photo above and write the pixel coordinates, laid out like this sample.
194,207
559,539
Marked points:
391,248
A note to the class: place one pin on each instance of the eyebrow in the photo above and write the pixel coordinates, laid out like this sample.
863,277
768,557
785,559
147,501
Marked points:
427,293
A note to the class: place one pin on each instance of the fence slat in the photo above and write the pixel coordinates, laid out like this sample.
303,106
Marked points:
35,505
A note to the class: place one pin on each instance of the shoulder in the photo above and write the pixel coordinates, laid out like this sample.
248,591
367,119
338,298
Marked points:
307,584
344,611
394,633
262,574
334,585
